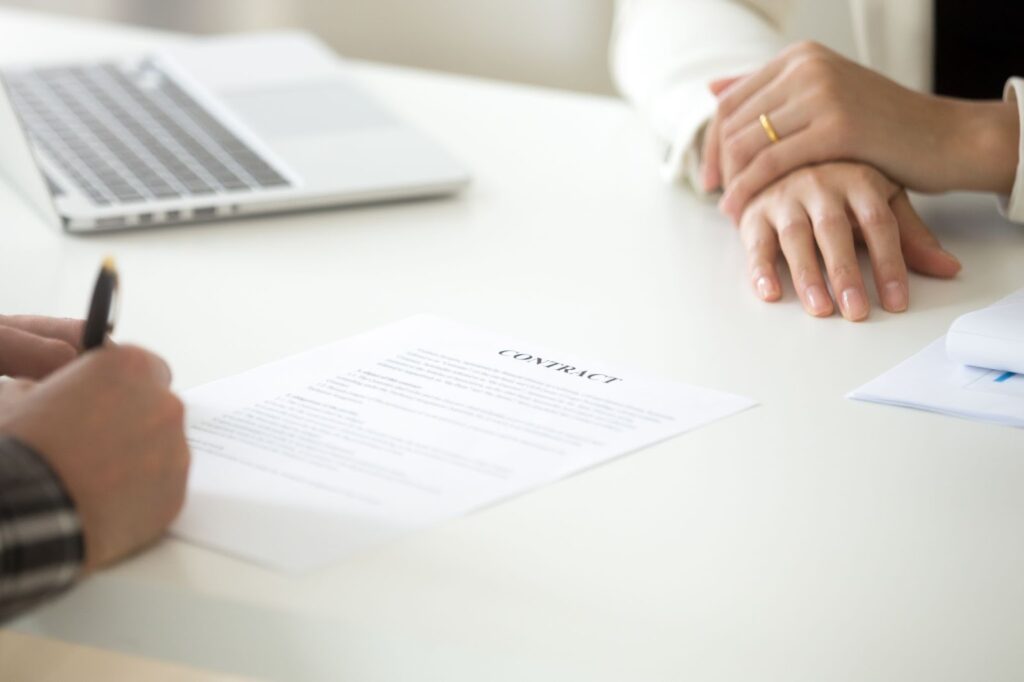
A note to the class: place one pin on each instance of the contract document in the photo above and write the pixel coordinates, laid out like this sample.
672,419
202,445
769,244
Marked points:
303,461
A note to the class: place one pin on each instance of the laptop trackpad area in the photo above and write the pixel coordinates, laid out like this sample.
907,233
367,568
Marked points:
306,109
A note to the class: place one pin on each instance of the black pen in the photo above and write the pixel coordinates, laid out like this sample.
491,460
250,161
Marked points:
103,307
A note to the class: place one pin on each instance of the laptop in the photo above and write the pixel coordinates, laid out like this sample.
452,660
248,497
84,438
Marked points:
207,129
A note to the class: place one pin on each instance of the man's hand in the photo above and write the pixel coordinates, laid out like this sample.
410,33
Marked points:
827,108
113,432
33,347
825,210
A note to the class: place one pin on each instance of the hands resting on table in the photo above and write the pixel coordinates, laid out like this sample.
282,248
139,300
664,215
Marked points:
105,422
849,143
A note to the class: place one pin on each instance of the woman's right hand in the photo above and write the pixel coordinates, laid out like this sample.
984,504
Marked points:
827,108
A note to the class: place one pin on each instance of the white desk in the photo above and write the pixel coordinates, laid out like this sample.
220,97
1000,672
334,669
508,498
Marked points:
812,538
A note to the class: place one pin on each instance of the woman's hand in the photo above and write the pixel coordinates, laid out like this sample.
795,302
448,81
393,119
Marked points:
825,210
827,108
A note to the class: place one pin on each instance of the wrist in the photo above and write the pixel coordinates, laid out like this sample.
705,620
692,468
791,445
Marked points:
984,139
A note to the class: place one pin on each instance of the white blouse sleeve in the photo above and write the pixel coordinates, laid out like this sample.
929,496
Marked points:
1013,205
664,54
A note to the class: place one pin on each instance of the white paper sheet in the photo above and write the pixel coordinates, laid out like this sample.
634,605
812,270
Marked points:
992,337
932,381
305,460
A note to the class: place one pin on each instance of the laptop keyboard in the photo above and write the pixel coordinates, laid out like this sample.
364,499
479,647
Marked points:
127,135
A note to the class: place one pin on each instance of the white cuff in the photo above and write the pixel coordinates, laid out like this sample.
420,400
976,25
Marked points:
1013,205
691,108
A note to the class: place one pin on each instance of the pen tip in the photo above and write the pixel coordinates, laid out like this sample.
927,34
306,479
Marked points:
108,263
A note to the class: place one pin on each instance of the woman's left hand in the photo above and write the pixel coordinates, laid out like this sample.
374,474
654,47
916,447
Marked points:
819,213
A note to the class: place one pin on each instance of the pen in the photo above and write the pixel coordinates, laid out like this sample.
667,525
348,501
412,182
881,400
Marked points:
102,308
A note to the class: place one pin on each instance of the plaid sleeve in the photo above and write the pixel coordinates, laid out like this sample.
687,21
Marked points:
41,547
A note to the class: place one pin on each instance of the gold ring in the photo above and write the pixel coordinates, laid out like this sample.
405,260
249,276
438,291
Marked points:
769,130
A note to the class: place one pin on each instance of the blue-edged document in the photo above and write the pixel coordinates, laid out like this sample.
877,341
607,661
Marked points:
303,461
992,337
976,371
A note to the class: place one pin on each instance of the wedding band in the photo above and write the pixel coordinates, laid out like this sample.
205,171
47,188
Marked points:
769,129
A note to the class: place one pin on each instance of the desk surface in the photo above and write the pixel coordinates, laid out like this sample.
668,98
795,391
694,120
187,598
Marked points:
812,538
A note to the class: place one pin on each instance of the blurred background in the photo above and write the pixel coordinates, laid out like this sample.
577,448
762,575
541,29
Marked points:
556,43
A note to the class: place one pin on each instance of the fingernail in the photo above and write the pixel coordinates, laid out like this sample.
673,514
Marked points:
854,305
894,297
766,288
951,257
817,300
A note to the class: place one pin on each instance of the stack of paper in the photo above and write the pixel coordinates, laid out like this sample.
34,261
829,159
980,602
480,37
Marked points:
976,371
992,337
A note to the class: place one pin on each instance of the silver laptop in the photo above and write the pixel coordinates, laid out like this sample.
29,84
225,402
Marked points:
209,129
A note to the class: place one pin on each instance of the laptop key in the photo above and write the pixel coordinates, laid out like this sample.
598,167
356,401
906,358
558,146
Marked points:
128,135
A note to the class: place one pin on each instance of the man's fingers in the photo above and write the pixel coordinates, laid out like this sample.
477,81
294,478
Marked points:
12,391
834,234
881,233
127,363
921,249
61,328
710,173
762,245
23,354
16,386
797,241
772,163
136,359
